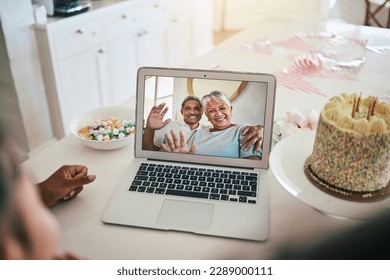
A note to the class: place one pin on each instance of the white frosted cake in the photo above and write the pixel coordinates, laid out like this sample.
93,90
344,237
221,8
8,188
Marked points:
351,153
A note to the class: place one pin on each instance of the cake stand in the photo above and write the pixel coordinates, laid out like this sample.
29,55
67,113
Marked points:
286,163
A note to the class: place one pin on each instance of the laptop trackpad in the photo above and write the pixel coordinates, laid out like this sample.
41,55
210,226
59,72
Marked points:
185,215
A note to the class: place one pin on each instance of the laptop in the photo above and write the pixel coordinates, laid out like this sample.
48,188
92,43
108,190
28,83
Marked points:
203,193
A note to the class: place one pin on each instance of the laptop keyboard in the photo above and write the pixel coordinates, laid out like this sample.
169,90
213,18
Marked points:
215,184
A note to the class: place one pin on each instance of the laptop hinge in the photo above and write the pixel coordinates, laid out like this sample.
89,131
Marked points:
202,164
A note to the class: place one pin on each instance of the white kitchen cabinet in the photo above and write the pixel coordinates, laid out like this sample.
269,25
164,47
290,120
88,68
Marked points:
179,43
152,45
122,55
202,20
136,37
83,82
122,60
74,65
91,60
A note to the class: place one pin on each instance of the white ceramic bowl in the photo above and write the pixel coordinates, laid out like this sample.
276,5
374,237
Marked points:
119,112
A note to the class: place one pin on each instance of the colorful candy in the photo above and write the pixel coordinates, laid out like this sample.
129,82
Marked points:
107,129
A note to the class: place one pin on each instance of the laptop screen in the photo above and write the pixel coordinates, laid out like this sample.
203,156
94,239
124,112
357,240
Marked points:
200,116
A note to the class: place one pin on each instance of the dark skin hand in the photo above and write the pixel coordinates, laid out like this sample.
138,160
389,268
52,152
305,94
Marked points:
68,256
64,184
156,116
154,122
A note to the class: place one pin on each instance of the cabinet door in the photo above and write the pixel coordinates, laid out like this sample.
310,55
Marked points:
83,84
179,40
122,54
123,68
202,27
152,45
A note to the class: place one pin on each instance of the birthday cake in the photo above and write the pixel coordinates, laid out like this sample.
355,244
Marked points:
351,152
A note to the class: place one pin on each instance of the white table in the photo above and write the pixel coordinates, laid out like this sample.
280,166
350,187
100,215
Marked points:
291,220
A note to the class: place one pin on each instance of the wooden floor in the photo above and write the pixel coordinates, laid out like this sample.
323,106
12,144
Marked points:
221,36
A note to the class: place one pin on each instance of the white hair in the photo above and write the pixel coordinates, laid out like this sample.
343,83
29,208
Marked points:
216,96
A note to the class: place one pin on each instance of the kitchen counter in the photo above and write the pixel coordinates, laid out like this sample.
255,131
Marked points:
97,7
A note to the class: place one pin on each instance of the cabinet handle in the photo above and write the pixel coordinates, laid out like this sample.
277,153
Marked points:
140,34
80,31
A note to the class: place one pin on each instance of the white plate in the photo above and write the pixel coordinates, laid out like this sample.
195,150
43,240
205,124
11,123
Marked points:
286,163
275,137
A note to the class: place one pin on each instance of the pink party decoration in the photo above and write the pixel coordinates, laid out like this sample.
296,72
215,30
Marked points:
295,42
261,46
295,81
307,64
325,55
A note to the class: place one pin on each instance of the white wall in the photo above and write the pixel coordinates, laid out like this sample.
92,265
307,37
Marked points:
23,105
353,11
233,14
350,11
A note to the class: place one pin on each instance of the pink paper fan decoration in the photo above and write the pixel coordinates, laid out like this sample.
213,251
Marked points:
295,42
307,64
295,81
261,46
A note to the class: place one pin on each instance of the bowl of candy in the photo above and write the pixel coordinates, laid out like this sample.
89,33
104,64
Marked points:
105,128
